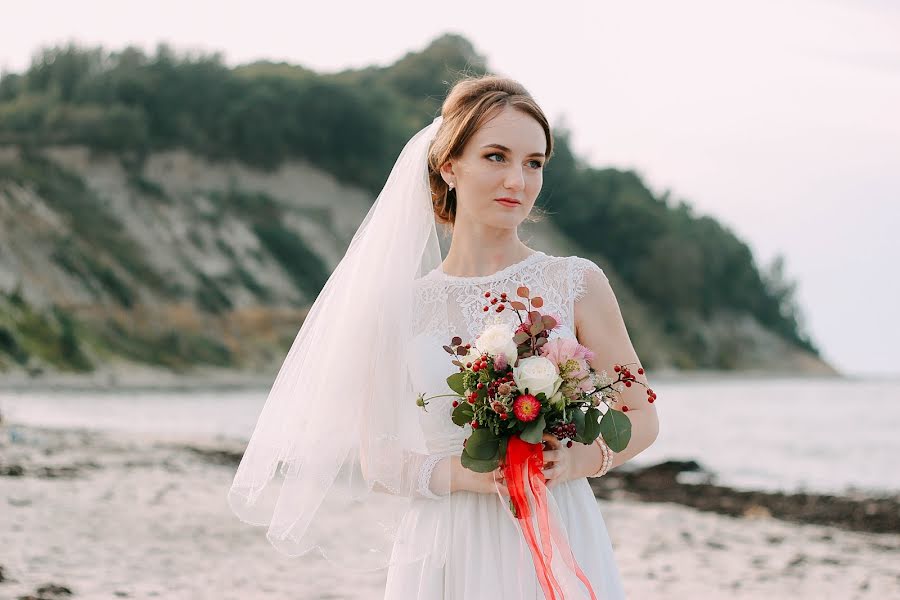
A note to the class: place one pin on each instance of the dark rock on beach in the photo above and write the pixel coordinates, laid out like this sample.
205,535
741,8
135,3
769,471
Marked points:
50,591
11,471
659,483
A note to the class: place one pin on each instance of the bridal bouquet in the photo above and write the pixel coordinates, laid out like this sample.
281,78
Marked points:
517,383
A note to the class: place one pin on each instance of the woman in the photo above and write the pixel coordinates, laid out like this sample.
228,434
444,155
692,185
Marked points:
369,479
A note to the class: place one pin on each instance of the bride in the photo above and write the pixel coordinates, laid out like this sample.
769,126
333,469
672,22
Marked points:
344,462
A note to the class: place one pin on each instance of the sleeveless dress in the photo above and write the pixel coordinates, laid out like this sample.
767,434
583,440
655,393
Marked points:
483,543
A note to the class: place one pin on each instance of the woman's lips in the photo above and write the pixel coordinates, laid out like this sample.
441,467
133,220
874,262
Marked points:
507,202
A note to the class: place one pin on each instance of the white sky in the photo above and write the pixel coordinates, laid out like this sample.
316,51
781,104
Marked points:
779,119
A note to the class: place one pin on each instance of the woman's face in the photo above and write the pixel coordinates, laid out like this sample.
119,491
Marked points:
504,159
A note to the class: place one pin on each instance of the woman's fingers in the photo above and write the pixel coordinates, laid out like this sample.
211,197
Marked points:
549,476
550,456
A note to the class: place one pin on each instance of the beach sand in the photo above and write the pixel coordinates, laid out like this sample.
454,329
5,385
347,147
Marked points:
110,515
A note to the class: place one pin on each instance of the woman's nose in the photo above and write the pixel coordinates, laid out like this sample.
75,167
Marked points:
515,180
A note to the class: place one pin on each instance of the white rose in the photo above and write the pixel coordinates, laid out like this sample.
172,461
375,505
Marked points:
538,374
498,339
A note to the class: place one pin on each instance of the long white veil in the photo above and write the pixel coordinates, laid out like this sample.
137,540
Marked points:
333,460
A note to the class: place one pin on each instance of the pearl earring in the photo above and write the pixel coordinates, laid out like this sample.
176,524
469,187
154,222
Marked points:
450,185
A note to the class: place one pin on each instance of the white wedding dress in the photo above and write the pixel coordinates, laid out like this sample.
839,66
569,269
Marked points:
483,544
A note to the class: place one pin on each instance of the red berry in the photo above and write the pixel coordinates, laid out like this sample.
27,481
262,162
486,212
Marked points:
487,294
468,346
474,424
616,368
569,444
480,385
640,371
624,409
502,416
485,309
627,383
503,295
468,365
455,403
649,392
493,301
651,399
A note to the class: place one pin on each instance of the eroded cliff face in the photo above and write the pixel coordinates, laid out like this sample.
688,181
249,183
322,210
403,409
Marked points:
175,262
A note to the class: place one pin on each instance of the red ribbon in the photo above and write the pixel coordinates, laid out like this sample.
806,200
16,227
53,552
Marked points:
524,462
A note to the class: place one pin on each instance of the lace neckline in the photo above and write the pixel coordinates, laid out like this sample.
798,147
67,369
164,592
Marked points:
440,274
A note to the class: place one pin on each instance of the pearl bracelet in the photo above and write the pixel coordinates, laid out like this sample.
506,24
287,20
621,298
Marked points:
607,457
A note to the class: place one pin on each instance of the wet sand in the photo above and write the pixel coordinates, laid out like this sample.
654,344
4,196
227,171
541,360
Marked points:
108,515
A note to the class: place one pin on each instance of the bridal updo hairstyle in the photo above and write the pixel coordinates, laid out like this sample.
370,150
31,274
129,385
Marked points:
470,103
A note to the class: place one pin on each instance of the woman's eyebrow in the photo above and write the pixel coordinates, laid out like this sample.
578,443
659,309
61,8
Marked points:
505,149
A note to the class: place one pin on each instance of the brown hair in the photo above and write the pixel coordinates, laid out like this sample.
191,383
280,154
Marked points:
470,103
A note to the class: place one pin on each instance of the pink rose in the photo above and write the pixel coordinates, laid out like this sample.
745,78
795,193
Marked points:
571,359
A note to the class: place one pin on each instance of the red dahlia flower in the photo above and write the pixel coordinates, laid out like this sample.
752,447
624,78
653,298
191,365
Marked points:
527,408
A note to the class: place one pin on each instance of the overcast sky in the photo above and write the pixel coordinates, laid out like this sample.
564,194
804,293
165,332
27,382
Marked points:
779,119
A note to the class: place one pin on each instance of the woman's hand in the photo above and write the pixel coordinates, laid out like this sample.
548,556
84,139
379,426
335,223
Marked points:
558,461
481,483
484,483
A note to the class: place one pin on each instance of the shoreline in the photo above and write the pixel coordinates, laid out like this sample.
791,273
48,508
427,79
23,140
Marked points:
111,378
664,482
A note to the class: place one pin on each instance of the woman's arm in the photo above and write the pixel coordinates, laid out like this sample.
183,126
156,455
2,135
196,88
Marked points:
599,326
446,470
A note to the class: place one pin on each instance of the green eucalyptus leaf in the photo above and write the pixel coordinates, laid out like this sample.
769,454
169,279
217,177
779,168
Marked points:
463,413
482,444
534,431
591,424
578,419
456,384
479,465
615,426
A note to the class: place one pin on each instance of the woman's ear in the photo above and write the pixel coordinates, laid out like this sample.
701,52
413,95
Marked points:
447,174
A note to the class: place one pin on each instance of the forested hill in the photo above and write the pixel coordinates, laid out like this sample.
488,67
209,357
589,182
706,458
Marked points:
170,210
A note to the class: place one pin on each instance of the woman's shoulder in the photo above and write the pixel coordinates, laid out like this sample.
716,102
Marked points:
581,265
583,272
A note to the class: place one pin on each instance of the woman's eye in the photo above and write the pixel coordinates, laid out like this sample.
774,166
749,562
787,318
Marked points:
535,164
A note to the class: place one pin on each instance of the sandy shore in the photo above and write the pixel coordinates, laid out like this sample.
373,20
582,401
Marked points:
119,516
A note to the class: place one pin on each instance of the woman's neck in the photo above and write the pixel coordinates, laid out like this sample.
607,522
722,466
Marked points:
473,255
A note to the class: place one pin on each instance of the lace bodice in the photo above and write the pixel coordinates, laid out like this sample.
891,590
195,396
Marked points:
448,305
